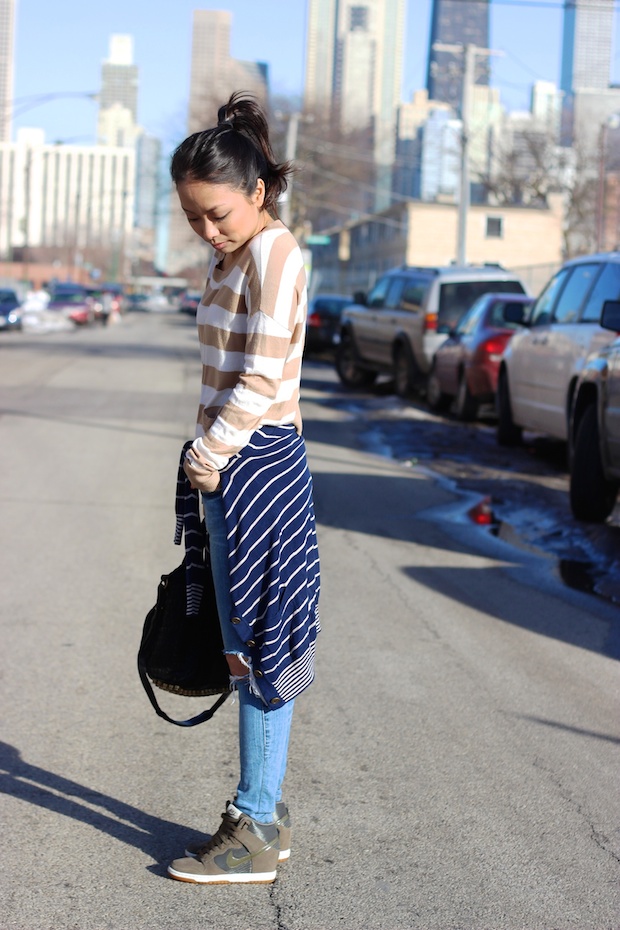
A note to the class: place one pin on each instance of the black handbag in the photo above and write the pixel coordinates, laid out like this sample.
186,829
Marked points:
182,652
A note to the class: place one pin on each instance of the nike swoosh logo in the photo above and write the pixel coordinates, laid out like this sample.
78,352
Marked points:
232,862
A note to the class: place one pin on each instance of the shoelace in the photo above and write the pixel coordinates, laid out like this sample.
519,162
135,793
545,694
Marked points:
221,836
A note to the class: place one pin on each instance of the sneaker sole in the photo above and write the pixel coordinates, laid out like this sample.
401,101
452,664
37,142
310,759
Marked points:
283,855
248,878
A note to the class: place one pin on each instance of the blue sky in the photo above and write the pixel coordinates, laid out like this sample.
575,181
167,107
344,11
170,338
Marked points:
60,47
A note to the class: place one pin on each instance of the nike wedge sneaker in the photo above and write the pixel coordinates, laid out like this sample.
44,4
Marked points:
242,850
283,823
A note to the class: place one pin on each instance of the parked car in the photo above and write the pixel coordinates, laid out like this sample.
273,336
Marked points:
73,301
543,360
465,367
595,428
106,300
137,301
189,301
10,309
323,321
400,325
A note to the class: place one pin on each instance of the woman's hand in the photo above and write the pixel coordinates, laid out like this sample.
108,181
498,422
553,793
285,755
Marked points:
201,475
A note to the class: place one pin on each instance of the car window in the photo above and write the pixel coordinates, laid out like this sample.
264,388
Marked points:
574,292
455,299
497,317
472,317
541,311
330,307
607,287
395,290
376,298
414,293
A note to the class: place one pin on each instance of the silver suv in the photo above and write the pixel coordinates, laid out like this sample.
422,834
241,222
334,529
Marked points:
543,360
400,324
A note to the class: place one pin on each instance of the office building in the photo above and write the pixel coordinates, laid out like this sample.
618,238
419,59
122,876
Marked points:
454,22
7,39
587,98
70,202
118,98
354,58
214,75
586,45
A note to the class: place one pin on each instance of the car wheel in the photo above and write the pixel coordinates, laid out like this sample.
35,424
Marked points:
348,368
404,372
435,397
592,497
508,433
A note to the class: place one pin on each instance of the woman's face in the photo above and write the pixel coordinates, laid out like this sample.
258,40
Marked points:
223,217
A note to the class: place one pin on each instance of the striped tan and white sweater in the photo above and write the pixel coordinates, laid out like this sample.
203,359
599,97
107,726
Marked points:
251,327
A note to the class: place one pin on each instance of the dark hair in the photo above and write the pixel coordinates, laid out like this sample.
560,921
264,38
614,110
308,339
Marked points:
236,152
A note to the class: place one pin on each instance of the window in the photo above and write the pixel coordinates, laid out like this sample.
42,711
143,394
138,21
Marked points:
376,298
607,287
456,299
414,293
392,300
495,227
472,317
541,312
574,292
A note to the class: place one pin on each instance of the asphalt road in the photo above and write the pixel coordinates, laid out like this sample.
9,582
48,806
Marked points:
454,766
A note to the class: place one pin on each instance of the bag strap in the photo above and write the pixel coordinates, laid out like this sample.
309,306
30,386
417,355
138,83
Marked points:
192,721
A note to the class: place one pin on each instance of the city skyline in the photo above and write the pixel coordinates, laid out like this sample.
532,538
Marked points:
531,43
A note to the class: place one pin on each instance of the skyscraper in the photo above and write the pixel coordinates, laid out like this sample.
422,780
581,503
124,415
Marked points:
118,100
455,22
353,71
586,45
587,99
214,75
7,28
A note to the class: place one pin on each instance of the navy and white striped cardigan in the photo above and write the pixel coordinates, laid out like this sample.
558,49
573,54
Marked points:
273,557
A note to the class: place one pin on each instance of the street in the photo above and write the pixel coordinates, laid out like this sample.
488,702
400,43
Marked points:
453,767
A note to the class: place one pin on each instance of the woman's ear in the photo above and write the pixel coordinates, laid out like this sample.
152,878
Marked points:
259,193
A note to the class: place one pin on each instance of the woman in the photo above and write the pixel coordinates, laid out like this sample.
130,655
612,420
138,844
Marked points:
249,462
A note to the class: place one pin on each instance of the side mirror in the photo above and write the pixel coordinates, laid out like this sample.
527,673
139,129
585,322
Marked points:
359,297
610,317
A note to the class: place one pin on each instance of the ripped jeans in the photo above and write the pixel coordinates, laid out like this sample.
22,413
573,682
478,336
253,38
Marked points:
263,733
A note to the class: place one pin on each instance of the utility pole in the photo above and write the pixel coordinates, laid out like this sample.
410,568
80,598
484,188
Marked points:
291,151
470,53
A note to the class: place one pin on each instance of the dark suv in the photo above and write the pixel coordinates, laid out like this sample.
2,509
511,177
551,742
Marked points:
595,428
402,322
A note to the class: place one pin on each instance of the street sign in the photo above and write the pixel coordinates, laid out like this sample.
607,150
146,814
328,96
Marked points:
318,240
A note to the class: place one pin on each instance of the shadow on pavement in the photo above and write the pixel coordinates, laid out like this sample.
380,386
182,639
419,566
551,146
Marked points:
151,835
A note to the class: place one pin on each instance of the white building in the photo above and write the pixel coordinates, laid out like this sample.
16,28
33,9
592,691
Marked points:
546,107
64,197
7,29
118,99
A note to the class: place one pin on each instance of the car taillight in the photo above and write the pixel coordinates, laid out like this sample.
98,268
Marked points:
494,346
314,319
430,322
